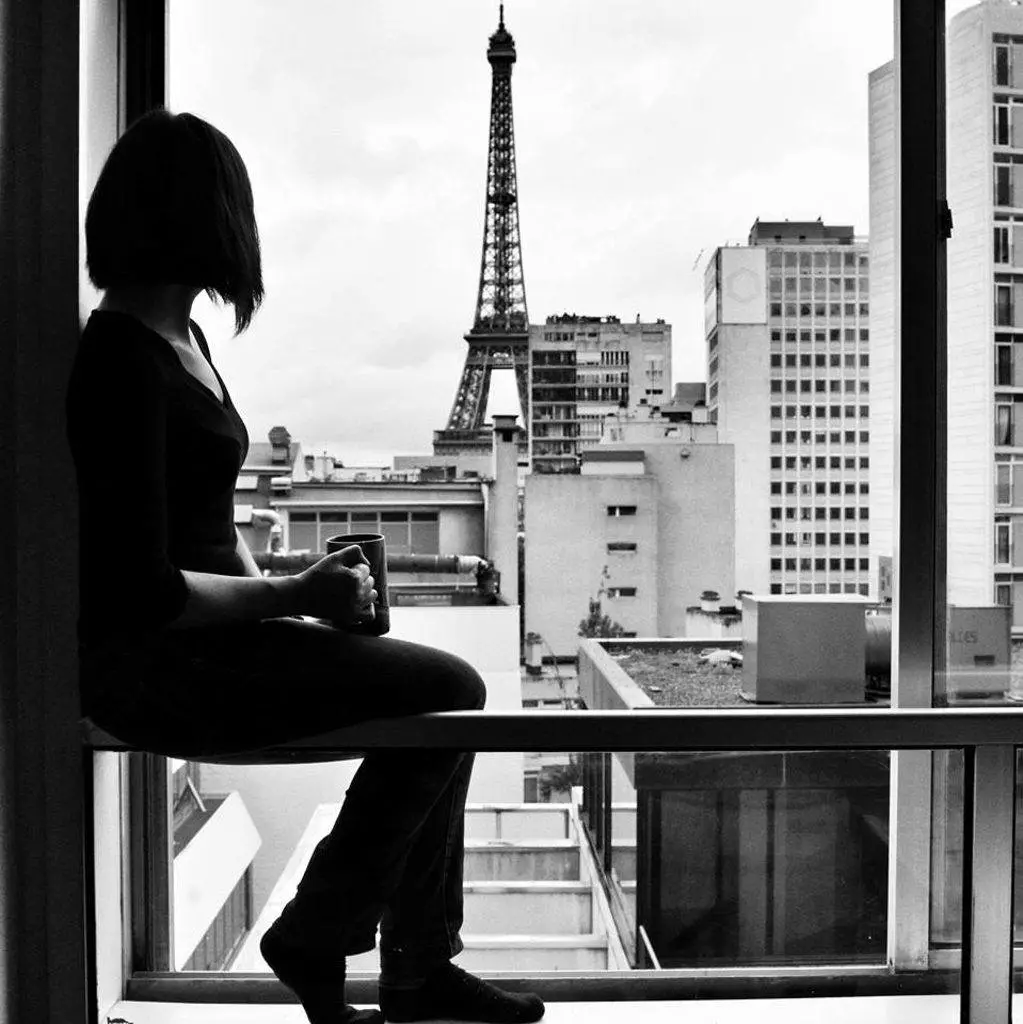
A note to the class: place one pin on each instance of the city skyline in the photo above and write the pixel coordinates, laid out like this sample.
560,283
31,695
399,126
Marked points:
370,206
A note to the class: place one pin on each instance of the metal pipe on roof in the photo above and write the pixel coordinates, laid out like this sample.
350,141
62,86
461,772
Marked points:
297,561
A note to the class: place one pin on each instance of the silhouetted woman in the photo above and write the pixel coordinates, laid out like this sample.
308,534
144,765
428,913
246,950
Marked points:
187,650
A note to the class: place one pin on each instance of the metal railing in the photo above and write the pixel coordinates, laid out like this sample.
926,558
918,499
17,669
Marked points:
988,738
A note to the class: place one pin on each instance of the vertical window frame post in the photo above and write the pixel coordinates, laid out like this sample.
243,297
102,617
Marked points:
918,626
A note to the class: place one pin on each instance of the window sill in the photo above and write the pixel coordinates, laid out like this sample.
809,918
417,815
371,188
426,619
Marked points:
934,1009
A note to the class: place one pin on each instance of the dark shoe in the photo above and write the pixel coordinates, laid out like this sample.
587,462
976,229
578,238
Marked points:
318,983
453,994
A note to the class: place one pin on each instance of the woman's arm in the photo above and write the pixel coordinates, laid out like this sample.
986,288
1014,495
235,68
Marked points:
338,587
220,600
213,598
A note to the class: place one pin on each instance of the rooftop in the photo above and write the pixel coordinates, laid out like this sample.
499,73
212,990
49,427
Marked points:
766,231
676,678
677,675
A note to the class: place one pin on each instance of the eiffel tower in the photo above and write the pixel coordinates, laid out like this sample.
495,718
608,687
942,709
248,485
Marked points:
499,339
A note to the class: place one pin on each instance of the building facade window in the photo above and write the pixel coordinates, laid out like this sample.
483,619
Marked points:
1003,365
1003,185
1002,130
1003,483
1002,553
1003,424
405,532
1002,244
1003,305
1003,64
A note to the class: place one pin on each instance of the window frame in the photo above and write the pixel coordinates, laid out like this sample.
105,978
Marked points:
919,552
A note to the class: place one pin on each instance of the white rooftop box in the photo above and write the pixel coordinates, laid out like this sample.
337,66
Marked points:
802,649
978,651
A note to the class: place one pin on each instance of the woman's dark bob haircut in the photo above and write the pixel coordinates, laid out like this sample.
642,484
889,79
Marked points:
173,205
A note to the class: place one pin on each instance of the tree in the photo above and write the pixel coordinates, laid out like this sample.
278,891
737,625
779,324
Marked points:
597,624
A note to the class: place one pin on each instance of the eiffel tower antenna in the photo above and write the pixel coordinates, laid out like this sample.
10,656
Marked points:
499,338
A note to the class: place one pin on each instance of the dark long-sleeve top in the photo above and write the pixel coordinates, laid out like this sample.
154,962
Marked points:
157,455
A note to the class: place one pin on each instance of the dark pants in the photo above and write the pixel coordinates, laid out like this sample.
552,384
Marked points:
394,855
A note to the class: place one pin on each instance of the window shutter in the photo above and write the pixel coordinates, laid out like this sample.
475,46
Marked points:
1016,125
1017,303
1017,483
1017,604
1017,541
1017,245
1017,184
1017,364
1017,66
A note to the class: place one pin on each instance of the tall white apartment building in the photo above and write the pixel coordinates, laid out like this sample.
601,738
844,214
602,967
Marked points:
788,382
583,369
985,305
884,323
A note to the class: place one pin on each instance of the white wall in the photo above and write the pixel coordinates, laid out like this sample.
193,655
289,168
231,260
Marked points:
743,285
460,531
695,525
567,531
743,354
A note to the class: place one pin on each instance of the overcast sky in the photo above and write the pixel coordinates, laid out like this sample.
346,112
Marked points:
647,133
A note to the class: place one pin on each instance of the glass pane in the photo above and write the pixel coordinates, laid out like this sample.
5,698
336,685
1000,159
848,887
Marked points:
396,536
634,861
302,536
985,549
707,554
425,538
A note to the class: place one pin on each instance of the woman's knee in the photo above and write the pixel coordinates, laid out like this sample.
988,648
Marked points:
465,689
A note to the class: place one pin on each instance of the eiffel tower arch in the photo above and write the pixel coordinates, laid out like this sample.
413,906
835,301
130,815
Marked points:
499,339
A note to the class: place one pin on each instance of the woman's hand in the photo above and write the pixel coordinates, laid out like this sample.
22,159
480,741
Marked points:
338,587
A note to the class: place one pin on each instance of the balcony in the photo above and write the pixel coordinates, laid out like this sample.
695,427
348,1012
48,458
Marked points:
566,921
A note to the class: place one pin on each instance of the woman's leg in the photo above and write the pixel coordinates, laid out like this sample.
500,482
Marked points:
245,687
421,925
265,683
398,833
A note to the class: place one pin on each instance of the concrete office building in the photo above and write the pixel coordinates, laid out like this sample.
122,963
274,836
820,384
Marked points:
418,512
583,369
645,526
786,321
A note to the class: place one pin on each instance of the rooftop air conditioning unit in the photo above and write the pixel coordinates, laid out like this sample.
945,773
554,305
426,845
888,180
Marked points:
979,651
803,649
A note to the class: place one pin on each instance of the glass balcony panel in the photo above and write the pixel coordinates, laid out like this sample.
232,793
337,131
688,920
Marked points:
612,861
751,844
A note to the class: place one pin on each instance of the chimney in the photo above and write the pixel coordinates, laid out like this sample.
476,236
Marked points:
503,511
280,446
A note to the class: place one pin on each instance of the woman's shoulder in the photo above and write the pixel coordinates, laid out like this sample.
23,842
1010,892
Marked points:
113,337
118,355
